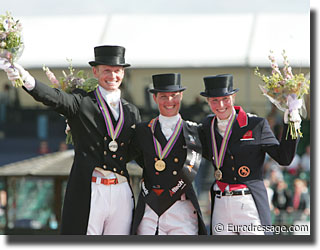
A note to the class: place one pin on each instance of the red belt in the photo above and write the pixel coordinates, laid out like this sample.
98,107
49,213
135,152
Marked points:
105,181
223,185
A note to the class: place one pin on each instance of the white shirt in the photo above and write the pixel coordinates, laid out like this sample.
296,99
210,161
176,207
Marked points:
222,125
168,124
112,98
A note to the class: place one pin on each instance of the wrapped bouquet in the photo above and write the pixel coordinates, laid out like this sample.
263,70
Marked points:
286,90
68,83
11,45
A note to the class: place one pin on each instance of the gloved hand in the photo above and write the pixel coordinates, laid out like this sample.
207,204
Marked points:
67,129
15,72
292,116
4,63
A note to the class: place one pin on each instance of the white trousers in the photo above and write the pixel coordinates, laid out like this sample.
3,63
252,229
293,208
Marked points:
180,219
111,209
234,215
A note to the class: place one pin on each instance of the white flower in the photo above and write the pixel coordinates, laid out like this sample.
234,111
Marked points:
5,24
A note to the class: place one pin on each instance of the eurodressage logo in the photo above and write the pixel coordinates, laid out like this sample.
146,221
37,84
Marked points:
180,185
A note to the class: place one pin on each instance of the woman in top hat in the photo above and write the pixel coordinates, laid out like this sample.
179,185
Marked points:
236,143
171,152
98,197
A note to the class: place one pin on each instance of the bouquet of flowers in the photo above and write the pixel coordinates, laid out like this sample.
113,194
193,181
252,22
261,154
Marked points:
11,45
68,83
286,90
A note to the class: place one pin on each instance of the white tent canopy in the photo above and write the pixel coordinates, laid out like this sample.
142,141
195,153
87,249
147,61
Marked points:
169,40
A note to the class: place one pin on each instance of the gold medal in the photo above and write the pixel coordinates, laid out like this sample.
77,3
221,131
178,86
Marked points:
160,165
113,146
218,174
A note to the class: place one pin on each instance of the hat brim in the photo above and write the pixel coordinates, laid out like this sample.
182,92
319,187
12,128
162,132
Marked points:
153,91
96,63
218,94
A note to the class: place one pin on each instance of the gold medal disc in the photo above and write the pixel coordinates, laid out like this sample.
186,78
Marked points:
160,165
218,174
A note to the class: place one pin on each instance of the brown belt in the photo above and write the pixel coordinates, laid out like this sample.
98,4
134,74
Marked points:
104,181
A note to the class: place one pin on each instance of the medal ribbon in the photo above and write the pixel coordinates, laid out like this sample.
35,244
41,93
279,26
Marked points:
113,133
218,159
172,140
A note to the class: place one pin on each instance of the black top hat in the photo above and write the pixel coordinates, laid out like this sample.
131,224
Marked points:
167,83
219,85
109,55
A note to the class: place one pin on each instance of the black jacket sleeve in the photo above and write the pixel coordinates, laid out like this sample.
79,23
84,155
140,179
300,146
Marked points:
284,152
60,101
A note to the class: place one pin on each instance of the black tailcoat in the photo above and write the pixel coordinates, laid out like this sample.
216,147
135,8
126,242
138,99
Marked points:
250,140
91,148
144,147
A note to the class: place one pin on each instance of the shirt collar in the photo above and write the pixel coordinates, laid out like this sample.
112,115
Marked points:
168,121
110,96
226,120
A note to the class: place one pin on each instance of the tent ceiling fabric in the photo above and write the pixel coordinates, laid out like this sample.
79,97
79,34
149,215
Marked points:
168,40
53,164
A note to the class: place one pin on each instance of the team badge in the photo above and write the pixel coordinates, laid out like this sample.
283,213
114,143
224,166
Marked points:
244,171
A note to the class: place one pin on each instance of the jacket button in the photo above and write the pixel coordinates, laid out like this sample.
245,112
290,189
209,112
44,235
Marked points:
114,169
121,158
176,160
231,157
232,168
121,172
104,166
155,159
105,152
122,144
105,138
174,172
235,178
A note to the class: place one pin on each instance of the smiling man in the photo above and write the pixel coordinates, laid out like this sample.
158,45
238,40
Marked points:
171,152
98,199
236,143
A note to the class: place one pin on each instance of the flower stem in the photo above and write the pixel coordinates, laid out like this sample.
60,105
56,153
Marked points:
18,83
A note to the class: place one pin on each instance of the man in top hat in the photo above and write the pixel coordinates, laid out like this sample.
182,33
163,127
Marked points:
171,152
98,197
236,143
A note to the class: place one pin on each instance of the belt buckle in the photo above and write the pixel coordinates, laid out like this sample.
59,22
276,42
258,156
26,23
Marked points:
218,195
98,180
228,193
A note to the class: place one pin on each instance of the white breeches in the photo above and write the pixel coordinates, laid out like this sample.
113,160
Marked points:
111,209
235,215
180,219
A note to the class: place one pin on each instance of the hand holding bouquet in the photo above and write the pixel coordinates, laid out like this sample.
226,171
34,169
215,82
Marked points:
11,45
68,83
286,91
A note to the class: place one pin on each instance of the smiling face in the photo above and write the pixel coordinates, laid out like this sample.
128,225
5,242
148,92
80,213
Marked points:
168,102
222,106
109,77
